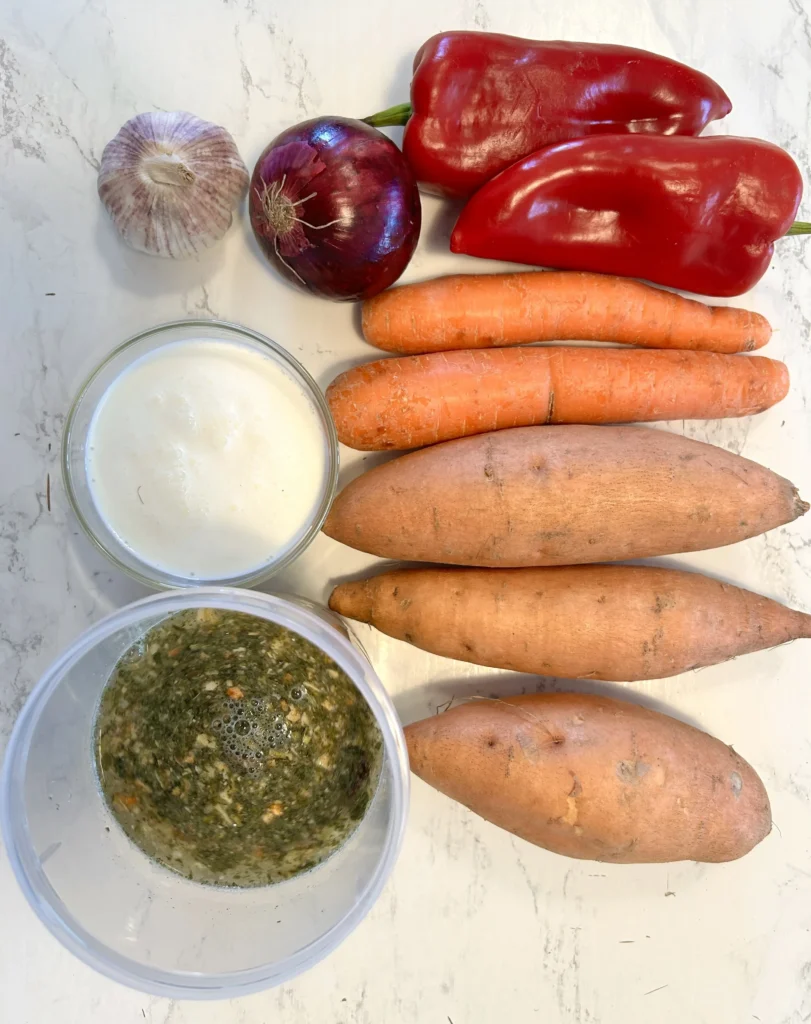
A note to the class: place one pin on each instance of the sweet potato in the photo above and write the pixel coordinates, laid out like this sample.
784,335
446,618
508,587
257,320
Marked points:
620,622
594,778
559,496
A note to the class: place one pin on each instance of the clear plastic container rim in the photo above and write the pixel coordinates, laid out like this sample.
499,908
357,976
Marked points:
154,577
28,869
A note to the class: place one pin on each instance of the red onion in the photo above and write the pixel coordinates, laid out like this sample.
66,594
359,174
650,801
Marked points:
335,207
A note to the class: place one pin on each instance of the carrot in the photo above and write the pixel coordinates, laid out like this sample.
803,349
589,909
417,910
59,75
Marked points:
485,310
559,496
419,400
591,777
617,622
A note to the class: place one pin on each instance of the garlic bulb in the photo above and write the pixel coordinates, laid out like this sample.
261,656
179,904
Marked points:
170,182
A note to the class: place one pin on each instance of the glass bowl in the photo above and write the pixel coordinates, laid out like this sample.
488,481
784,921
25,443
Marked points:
140,923
80,419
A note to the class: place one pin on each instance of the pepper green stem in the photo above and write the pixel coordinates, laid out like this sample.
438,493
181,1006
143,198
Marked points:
389,118
800,227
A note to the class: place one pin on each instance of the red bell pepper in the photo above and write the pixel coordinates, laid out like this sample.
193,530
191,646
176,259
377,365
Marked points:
697,214
481,101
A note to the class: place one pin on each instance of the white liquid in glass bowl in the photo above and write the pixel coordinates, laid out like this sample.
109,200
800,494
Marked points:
200,452
206,459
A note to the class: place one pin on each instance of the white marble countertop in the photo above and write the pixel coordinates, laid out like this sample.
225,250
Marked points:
475,925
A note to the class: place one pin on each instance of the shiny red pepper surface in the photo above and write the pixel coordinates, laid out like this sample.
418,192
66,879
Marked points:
700,214
481,101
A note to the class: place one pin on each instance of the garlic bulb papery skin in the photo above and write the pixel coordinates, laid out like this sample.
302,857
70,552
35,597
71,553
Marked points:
171,182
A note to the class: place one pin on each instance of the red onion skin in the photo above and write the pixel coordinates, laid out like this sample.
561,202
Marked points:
358,197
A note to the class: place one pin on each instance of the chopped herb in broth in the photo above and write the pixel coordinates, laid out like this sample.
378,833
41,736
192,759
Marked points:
234,751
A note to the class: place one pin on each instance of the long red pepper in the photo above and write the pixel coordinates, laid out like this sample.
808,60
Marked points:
480,101
701,214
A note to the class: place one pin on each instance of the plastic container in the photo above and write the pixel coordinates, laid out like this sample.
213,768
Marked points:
80,418
136,921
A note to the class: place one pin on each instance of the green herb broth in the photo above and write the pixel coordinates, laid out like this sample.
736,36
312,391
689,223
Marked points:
233,751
